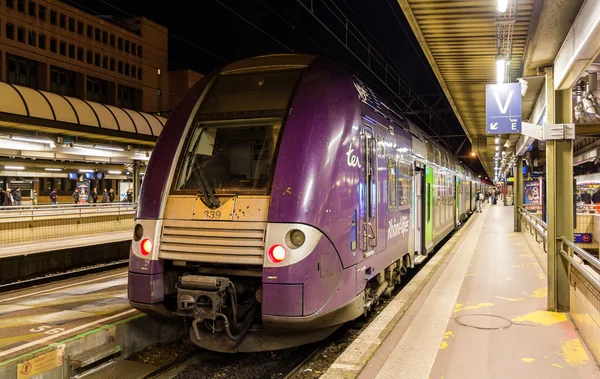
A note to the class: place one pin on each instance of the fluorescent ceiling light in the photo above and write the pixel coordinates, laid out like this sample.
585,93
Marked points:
83,170
109,148
497,140
37,140
53,169
115,172
14,167
502,6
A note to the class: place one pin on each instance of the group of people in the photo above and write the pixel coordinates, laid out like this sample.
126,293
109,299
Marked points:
480,197
108,196
15,197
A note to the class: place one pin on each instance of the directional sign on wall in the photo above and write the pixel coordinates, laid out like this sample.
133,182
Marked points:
503,108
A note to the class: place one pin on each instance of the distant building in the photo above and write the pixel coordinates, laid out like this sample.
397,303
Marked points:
180,81
51,46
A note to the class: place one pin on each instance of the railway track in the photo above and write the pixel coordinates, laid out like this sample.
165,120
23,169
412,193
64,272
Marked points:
61,276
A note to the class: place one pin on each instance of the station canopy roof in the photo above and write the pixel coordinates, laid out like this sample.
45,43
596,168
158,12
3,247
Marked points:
27,109
459,38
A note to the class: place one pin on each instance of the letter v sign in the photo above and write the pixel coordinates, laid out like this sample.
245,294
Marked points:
504,108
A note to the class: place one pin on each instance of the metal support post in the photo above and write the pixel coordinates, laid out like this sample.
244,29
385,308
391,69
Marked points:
518,192
559,191
136,180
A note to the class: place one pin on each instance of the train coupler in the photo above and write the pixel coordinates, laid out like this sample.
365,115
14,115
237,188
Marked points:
202,297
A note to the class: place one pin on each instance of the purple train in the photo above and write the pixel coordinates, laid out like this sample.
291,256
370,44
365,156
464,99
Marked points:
283,199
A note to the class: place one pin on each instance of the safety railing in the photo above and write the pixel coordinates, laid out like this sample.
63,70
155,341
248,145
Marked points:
585,263
34,223
33,212
535,226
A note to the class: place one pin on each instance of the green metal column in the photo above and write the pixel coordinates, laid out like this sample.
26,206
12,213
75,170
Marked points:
518,192
559,195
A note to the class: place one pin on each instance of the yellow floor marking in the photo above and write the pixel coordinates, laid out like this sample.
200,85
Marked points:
541,276
458,307
469,274
444,345
530,264
528,360
509,298
574,353
14,339
542,318
557,365
448,334
540,293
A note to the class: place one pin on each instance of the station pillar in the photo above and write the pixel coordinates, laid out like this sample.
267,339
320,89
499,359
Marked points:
559,195
136,180
518,192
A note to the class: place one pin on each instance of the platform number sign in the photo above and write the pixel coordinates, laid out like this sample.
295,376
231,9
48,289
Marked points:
503,108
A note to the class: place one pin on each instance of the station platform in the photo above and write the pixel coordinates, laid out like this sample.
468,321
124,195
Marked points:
481,314
70,318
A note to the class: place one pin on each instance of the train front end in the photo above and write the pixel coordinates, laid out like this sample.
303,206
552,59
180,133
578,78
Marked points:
232,232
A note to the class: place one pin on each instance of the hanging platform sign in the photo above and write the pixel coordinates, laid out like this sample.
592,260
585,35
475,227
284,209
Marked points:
503,108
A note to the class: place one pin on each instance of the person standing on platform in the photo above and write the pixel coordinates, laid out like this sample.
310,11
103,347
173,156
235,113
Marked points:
105,196
111,195
17,196
478,200
95,196
76,197
34,201
8,201
2,196
54,197
596,197
129,195
586,197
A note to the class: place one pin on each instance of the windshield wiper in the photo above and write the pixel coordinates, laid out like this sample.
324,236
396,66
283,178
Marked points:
207,191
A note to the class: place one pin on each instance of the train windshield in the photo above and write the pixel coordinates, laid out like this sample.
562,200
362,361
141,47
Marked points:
230,157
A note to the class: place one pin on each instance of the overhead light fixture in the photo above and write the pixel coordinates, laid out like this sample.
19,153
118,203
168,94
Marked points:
80,145
35,140
114,172
497,140
14,167
473,153
502,6
497,148
112,148
84,170
501,64
53,169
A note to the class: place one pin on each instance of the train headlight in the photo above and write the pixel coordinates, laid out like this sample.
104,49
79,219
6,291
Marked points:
146,247
277,253
296,238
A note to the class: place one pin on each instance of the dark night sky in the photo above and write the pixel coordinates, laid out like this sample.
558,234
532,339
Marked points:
280,26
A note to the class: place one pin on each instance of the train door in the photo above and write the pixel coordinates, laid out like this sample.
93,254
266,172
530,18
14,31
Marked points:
429,188
419,209
369,213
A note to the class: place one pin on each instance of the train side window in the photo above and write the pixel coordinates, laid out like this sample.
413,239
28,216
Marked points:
392,184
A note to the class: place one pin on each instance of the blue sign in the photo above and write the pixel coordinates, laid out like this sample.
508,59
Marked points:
503,108
72,176
89,175
583,238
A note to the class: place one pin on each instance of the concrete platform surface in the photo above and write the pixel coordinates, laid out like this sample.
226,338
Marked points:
37,316
483,316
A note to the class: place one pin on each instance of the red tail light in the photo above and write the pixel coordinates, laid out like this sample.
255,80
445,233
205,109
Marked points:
146,247
277,253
